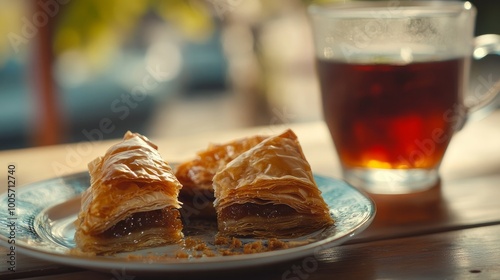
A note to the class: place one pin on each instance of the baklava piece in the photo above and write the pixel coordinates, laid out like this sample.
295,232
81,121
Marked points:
132,201
197,193
269,191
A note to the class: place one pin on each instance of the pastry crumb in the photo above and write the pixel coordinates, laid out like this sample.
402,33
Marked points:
181,254
235,243
221,240
200,246
209,253
228,252
254,247
276,244
191,242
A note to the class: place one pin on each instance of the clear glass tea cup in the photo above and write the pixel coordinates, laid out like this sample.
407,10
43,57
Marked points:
393,76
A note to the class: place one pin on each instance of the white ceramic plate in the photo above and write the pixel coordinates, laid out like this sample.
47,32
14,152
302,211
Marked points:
45,212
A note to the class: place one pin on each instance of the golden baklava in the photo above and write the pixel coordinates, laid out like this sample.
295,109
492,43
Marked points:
197,193
132,202
269,191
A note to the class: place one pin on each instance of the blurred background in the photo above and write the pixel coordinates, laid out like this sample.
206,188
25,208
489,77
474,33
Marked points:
79,70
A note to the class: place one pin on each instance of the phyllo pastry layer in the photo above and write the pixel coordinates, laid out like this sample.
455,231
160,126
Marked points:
196,175
269,191
132,200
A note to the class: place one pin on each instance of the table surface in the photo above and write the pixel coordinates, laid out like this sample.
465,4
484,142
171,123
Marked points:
450,231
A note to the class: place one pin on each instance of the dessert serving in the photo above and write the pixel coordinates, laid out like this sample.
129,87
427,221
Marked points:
257,187
269,191
132,202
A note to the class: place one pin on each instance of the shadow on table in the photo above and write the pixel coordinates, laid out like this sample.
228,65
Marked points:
407,215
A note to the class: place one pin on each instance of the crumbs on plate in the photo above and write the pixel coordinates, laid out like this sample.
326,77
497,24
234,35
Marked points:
195,248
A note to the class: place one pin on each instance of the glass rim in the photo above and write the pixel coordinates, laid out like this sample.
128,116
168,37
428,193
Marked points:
361,9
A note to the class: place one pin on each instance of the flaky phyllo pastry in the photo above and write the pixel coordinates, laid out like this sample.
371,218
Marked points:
197,193
131,202
269,191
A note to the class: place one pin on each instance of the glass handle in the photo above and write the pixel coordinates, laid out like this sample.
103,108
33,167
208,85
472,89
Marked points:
481,105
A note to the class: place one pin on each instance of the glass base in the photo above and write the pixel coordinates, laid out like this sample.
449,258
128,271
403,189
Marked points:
392,181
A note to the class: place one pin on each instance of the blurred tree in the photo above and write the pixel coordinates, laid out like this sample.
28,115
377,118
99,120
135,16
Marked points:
97,28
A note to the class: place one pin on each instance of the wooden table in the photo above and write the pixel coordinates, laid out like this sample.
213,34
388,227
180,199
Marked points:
451,231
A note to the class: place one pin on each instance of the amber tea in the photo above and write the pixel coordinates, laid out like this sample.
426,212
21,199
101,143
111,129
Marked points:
391,116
